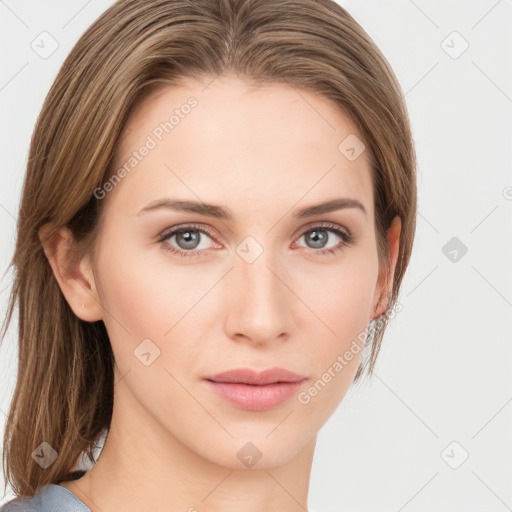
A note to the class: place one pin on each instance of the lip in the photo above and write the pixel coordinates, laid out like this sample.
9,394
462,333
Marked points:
250,376
256,391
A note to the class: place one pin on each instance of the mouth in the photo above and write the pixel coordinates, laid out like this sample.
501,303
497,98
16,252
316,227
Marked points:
250,376
256,391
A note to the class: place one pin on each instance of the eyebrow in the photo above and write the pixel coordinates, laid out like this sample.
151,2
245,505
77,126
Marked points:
219,212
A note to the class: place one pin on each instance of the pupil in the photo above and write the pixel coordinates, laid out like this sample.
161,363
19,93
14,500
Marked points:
318,238
190,239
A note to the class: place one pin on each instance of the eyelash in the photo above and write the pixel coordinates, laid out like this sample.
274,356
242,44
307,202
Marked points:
346,236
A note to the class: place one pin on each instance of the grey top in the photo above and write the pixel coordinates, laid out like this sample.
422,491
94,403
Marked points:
49,498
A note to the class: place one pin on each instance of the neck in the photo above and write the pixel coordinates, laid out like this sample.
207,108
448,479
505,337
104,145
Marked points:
143,466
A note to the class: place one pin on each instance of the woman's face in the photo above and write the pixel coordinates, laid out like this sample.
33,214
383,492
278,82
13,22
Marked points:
249,283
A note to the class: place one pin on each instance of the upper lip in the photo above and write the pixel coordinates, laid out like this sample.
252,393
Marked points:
250,376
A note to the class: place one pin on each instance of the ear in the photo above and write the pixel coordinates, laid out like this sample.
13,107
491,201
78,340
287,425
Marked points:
385,280
72,271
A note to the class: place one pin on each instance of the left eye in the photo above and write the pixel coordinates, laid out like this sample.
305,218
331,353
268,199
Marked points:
188,238
318,237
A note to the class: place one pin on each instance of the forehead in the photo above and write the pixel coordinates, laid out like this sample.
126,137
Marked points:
227,137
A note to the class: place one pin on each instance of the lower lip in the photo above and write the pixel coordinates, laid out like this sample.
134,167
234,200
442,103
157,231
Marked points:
256,398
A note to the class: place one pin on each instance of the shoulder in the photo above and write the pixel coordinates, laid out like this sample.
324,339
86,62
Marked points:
50,498
24,504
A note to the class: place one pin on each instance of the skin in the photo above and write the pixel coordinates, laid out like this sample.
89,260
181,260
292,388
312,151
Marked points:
263,153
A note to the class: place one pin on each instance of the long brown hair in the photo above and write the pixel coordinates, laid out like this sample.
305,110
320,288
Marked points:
64,390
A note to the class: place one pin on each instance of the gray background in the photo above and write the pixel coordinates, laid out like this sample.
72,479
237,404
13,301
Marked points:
442,388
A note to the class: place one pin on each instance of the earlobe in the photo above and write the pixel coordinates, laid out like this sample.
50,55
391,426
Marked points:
72,271
385,281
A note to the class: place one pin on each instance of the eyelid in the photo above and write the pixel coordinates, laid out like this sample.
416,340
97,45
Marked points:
209,231
321,224
348,238
176,229
346,235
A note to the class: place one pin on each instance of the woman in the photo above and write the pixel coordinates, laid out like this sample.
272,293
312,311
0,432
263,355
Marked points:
218,212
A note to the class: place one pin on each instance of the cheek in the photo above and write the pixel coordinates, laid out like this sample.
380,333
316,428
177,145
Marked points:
347,299
340,295
342,305
143,289
146,296
149,309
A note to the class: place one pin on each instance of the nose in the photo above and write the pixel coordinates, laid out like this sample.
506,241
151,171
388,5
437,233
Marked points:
261,305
